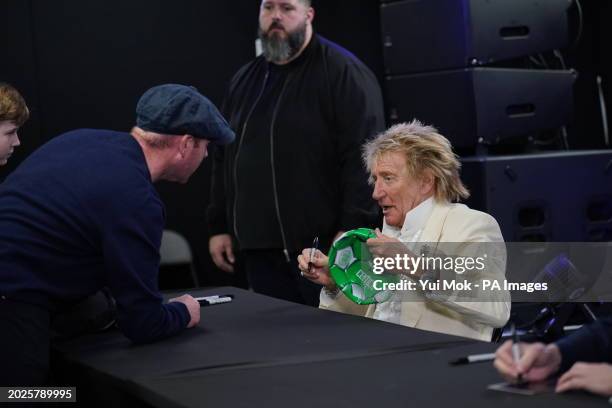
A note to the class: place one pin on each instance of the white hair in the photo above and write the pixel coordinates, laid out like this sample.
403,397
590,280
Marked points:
425,150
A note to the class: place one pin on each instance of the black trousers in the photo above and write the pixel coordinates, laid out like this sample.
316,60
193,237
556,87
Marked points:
24,343
270,274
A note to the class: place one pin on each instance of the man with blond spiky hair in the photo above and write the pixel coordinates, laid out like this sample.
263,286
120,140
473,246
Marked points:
415,175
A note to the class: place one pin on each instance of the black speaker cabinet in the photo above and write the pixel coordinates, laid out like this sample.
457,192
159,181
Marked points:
553,197
430,35
483,105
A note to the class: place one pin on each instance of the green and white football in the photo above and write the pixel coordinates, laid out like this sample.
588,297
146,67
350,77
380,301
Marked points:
351,267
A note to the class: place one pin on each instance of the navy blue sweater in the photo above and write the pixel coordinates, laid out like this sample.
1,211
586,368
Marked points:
592,343
82,213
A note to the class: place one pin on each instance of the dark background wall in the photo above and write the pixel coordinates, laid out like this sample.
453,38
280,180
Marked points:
85,63
591,58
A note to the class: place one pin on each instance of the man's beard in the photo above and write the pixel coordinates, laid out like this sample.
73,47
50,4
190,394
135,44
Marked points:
278,49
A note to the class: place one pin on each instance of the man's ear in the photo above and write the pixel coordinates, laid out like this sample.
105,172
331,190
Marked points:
184,145
310,14
428,182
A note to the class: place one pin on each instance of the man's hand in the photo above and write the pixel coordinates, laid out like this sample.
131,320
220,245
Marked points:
380,243
596,378
537,363
319,273
192,306
384,246
221,251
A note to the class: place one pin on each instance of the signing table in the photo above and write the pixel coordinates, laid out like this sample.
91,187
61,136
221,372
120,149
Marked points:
258,351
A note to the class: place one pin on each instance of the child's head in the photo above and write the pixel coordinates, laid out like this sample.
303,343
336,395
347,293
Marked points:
13,113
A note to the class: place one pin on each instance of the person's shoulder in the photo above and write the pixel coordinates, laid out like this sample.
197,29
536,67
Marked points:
340,57
111,157
462,213
85,136
89,132
121,172
335,52
468,221
464,224
74,147
342,66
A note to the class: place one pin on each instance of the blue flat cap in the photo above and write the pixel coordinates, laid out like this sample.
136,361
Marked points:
181,110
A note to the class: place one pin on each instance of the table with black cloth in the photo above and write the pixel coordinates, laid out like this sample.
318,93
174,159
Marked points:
258,351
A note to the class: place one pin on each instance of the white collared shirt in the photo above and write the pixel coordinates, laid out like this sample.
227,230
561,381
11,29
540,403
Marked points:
414,224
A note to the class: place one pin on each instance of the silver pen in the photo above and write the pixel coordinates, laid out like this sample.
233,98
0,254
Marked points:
313,251
516,349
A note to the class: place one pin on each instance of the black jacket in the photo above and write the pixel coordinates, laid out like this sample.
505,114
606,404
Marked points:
330,105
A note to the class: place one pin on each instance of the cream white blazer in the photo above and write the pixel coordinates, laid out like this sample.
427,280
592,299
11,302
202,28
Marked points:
451,223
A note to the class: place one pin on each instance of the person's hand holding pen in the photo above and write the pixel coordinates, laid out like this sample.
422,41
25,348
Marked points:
537,361
314,266
311,255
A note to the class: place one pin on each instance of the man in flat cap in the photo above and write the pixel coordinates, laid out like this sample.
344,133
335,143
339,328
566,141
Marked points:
81,213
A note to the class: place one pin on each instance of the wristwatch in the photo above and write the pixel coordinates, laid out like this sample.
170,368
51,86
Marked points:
332,293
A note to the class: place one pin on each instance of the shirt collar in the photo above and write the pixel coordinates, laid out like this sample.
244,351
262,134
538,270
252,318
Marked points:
417,217
414,221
